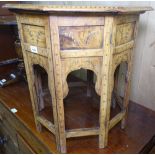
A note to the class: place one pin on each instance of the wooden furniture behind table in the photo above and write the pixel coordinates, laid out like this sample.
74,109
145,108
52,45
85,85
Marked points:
62,39
17,129
7,39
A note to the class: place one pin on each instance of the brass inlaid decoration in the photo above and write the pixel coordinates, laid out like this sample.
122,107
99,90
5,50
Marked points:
81,37
124,33
34,35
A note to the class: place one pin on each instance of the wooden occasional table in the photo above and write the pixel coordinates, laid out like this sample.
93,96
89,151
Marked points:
61,39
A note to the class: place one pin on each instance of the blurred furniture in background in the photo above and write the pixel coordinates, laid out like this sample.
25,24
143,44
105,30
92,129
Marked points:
11,64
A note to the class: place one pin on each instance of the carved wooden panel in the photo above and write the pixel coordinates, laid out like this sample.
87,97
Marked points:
121,57
34,35
81,37
38,59
124,33
94,64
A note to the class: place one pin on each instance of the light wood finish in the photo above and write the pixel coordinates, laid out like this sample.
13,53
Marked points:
82,132
75,37
128,79
71,38
116,120
107,80
82,53
92,63
46,123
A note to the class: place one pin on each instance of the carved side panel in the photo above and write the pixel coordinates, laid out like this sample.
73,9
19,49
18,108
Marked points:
34,35
81,37
69,65
121,57
37,59
124,33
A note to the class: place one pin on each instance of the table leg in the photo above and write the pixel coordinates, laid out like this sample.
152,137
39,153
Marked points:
126,94
90,76
114,98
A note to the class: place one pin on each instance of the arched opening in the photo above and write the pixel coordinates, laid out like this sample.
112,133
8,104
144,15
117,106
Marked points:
44,99
81,105
118,93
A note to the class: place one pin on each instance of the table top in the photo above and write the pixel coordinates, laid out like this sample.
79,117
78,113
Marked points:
77,9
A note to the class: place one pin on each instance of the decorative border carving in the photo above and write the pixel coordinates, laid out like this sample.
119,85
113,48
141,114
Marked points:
37,59
93,64
118,59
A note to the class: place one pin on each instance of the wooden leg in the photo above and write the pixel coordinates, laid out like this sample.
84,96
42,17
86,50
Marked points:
30,79
107,83
38,86
128,82
55,88
114,100
62,133
54,106
126,95
34,96
90,76
58,83
104,119
105,104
